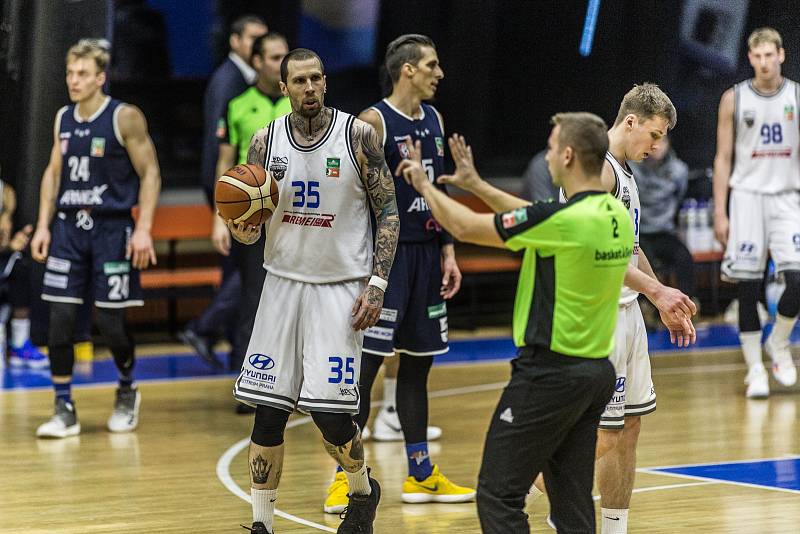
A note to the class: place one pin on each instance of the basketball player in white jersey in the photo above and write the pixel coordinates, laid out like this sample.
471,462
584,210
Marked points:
306,344
757,159
644,117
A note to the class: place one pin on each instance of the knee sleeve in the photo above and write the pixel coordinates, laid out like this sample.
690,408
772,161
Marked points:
370,363
748,292
337,428
59,342
789,304
114,328
268,426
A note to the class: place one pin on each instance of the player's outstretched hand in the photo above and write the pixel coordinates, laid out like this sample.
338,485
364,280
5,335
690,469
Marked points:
367,309
411,168
681,329
246,234
140,250
221,236
21,239
40,244
465,176
721,225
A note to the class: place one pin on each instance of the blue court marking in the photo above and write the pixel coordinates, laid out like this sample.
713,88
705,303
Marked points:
184,366
781,474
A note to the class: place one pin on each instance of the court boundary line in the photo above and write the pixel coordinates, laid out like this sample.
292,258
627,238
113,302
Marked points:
788,456
719,480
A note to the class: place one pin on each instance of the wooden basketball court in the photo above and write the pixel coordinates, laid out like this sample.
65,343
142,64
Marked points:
184,470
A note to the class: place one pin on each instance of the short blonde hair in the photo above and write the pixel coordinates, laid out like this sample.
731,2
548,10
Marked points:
96,49
647,101
587,134
764,35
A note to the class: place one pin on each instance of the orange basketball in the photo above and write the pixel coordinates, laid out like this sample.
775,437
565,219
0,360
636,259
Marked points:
244,194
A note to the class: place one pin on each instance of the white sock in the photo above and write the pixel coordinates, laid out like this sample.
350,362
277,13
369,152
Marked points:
389,390
359,481
751,348
264,506
782,329
615,520
20,332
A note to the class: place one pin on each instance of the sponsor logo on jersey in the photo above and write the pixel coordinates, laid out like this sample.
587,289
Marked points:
222,129
418,204
749,117
513,218
620,253
81,132
344,392
439,310
324,220
64,146
619,387
379,332
747,251
278,167
59,281
83,197
116,267
390,314
58,265
796,241
432,226
439,146
332,167
422,133
626,197
402,147
262,362
98,149
788,112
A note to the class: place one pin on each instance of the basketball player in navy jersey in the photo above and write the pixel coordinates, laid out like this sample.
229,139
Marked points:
757,162
102,163
305,350
413,321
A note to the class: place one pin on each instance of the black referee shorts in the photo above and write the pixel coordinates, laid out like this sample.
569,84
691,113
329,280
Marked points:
546,421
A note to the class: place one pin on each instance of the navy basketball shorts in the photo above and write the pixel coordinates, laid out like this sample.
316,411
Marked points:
414,315
87,250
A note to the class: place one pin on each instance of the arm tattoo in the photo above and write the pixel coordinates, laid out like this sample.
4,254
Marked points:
257,153
259,469
380,189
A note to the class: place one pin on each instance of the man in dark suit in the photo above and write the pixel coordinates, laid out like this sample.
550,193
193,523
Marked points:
229,80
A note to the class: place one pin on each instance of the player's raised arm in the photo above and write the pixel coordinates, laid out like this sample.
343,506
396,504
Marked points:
463,223
133,128
722,165
379,184
51,179
467,178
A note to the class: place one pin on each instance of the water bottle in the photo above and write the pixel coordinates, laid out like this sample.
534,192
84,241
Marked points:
692,228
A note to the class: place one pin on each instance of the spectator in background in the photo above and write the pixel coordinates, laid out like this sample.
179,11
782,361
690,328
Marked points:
537,183
230,80
663,179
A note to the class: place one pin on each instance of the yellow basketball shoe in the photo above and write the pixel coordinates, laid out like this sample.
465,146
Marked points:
435,488
337,499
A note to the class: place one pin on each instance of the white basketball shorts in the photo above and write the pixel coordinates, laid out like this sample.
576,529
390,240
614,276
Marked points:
303,351
761,223
634,393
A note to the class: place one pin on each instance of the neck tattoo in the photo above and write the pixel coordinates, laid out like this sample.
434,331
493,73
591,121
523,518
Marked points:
309,127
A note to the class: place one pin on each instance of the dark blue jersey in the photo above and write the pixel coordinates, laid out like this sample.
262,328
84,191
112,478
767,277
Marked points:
96,171
416,221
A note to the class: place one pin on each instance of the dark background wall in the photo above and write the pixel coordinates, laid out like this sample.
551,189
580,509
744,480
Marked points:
509,65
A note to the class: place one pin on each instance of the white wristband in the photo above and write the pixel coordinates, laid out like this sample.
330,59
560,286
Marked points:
378,282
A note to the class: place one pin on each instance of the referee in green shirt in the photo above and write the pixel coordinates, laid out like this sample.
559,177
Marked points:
565,310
